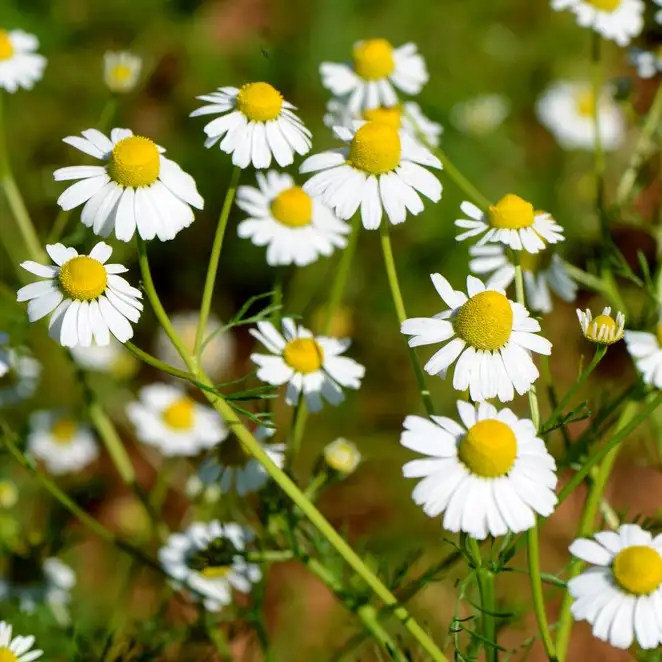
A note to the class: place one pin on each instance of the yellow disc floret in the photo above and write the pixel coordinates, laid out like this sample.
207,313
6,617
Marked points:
260,102
373,59
488,449
375,148
6,47
638,569
134,162
304,355
511,212
216,572
586,103
485,321
605,5
6,655
83,278
64,430
179,415
293,207
391,116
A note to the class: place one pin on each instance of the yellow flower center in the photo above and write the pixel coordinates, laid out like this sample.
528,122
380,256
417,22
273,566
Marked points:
6,655
605,5
6,48
134,162
83,278
586,103
601,320
390,116
342,457
231,453
304,355
373,59
511,212
64,430
293,207
179,415
215,572
375,148
120,73
260,102
638,569
485,321
489,449
658,333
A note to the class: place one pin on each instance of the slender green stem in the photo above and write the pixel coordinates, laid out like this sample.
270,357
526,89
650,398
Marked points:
589,281
157,363
214,258
112,442
298,429
396,294
485,579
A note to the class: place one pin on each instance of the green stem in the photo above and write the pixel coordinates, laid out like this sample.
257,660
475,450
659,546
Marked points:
214,258
396,295
112,442
589,281
487,601
157,363
298,429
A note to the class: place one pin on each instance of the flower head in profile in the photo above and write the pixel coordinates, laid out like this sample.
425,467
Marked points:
296,228
20,66
604,329
87,297
121,71
342,456
621,594
312,366
380,169
165,417
490,474
376,71
61,442
136,188
567,109
543,273
210,561
255,124
512,222
646,351
18,648
480,115
19,372
491,338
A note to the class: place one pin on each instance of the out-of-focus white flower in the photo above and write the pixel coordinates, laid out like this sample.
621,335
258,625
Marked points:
20,66
646,351
111,358
121,71
342,456
19,373
16,649
481,115
648,63
658,13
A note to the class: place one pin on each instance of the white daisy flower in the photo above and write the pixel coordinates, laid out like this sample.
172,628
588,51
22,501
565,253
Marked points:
230,466
566,110
136,188
121,71
88,299
19,373
621,595
481,115
256,123
20,66
112,358
647,63
490,336
210,561
491,474
16,649
646,352
379,168
61,443
342,456
311,366
512,222
165,417
604,329
296,228
375,70
542,273
407,116
616,20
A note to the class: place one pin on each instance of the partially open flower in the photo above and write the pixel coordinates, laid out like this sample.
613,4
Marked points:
342,456
604,329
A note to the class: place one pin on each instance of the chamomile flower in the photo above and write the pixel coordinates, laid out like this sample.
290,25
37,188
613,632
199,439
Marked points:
230,466
616,20
165,417
121,71
490,475
647,63
604,329
18,648
481,115
20,66
567,110
137,188
376,69
621,595
63,444
512,222
342,456
380,168
210,561
19,372
255,124
312,367
296,228
542,273
112,358
490,336
407,116
646,351
88,299
658,13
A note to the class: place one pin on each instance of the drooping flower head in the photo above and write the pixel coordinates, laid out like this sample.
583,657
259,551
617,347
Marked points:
121,71
20,66
604,329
